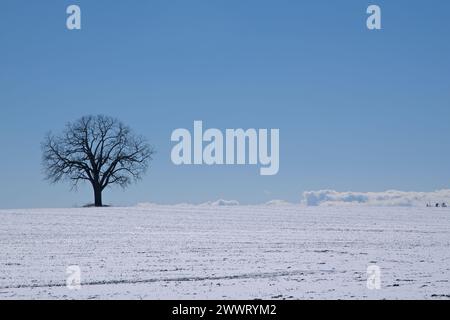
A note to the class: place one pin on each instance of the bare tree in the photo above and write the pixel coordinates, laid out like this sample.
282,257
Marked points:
97,149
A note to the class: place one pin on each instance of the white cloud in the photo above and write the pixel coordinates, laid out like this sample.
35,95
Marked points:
278,203
146,205
221,203
386,198
218,203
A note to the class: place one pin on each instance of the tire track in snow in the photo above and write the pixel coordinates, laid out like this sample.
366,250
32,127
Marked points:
178,279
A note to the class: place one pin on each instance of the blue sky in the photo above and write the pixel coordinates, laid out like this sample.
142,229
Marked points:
357,109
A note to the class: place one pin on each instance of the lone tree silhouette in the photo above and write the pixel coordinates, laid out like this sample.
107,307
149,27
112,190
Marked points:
97,149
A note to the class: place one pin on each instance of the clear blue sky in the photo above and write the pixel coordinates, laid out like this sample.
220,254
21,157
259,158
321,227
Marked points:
357,109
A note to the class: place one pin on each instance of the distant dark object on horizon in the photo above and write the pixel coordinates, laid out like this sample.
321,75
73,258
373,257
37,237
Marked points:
437,205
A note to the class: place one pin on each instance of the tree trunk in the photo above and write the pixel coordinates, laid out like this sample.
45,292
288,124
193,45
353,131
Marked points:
98,196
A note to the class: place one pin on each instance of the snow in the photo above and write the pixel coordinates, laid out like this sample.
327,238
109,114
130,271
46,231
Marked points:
225,252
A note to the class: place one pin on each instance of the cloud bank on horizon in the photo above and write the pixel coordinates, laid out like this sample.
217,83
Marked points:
328,198
386,198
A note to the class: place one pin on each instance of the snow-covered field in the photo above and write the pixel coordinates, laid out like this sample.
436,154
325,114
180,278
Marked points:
225,252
